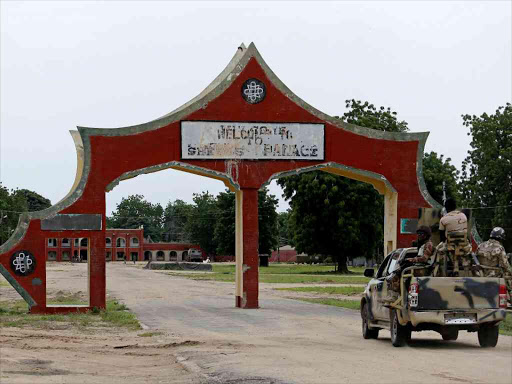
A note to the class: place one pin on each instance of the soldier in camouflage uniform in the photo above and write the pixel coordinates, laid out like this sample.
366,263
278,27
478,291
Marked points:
425,246
453,223
492,254
425,252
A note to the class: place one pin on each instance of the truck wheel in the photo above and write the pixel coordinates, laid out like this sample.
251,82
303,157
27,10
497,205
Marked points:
450,334
368,333
400,335
488,336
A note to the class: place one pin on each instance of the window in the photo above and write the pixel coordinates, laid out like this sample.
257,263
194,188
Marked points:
52,256
393,262
174,255
83,242
121,242
120,256
160,256
108,255
184,255
147,255
65,256
382,267
134,242
66,243
134,256
77,242
108,242
52,242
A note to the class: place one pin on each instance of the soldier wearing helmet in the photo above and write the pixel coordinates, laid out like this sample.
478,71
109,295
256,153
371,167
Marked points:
425,246
492,254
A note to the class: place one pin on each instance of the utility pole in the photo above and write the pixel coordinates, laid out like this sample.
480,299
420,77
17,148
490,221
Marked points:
443,211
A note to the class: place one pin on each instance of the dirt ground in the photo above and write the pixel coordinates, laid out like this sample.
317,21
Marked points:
201,338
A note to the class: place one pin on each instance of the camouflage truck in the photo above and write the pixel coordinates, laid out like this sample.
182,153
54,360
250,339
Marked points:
446,305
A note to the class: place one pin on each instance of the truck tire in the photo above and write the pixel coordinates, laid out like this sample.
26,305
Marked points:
368,333
488,336
450,334
400,334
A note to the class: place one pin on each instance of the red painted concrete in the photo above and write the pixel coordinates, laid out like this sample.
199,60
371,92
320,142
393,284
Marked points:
250,249
112,156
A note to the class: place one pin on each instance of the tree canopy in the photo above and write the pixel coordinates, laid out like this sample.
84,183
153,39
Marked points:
175,219
133,212
487,170
436,170
12,203
267,223
336,216
35,201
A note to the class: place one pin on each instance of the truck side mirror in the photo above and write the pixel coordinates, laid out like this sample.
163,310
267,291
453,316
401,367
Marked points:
368,272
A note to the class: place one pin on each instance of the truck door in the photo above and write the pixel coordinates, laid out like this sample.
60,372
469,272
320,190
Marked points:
380,289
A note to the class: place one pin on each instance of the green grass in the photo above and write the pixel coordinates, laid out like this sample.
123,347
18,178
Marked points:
15,314
506,326
350,304
291,269
278,278
283,273
150,334
348,291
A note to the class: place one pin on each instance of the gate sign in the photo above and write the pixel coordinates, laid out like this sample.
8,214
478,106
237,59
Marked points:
255,141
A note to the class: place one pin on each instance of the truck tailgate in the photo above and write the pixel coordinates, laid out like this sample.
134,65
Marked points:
445,293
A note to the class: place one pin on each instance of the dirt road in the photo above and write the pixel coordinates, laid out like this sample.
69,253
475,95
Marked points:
206,340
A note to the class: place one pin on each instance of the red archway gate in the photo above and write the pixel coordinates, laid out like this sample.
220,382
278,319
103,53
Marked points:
245,129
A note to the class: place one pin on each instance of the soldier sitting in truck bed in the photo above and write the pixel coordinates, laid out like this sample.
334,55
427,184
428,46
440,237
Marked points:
493,259
453,228
425,253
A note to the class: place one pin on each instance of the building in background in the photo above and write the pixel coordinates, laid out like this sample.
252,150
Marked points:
285,254
120,245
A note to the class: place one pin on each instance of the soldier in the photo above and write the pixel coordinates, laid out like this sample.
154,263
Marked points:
425,251
492,254
453,228
425,246
453,221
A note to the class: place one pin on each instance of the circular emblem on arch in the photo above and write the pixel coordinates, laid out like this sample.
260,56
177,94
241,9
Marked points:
254,91
23,263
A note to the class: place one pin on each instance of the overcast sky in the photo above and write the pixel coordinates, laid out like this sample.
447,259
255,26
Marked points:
108,65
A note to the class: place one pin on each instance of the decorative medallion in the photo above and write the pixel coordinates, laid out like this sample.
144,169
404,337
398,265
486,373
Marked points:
254,91
23,263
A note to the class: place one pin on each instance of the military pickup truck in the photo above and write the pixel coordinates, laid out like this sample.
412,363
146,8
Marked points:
446,305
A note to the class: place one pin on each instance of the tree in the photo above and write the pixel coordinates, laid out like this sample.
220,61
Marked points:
332,216
367,115
225,224
175,219
201,222
335,216
267,221
12,203
437,170
35,201
133,212
224,232
487,170
285,238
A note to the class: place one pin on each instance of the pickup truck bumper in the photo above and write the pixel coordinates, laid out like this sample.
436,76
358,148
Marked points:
454,317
